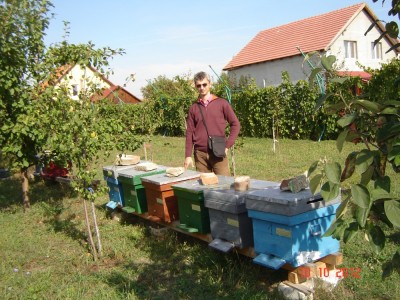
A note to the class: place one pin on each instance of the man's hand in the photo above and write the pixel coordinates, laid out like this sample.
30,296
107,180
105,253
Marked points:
226,151
188,161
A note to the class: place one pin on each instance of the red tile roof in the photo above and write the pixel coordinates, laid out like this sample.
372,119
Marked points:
311,34
117,94
363,75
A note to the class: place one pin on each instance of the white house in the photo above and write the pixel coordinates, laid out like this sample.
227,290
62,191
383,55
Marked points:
340,33
78,79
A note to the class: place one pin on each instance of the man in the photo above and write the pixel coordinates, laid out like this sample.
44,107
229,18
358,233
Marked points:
217,113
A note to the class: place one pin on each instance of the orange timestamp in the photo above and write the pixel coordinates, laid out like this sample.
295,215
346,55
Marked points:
326,272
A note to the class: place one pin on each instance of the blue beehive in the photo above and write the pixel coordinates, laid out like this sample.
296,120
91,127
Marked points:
116,196
288,227
230,225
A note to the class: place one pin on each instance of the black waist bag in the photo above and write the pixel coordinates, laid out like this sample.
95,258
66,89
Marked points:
217,145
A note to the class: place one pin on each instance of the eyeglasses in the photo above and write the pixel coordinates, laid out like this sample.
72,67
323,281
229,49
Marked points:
201,85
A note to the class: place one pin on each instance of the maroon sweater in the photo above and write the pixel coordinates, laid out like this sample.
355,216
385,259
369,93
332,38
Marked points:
217,114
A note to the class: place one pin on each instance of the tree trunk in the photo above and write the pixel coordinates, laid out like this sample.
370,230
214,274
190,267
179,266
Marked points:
25,189
89,231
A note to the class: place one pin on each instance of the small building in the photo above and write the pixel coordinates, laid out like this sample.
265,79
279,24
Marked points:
340,33
79,79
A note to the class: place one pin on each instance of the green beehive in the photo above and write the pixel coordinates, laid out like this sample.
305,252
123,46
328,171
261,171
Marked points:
193,215
133,190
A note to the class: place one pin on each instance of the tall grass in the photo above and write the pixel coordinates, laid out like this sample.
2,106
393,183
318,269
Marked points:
44,255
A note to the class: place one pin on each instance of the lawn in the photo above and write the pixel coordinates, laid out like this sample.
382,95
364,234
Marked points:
44,254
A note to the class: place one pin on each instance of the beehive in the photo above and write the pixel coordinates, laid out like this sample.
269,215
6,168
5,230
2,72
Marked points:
115,193
133,190
193,215
289,227
229,223
161,200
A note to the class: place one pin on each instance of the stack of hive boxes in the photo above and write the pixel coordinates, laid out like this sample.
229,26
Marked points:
162,203
115,193
289,227
230,225
133,190
193,215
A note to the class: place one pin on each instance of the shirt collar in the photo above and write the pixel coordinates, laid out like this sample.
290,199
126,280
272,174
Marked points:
207,101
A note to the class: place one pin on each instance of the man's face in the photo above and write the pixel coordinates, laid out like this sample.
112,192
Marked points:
203,87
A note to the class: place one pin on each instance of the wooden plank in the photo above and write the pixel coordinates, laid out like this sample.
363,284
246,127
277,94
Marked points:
320,268
296,277
334,259
65,180
249,251
309,270
300,287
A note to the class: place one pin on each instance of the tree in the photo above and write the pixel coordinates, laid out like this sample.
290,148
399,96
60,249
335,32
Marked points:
38,117
370,203
21,50
171,98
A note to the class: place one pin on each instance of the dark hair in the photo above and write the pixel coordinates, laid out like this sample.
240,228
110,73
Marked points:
200,76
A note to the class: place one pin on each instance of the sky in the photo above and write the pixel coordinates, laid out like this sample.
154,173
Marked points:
177,37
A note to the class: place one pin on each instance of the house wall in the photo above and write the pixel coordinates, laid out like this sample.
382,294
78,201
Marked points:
270,73
82,78
355,32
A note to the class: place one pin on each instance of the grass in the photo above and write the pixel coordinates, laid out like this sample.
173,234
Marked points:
44,255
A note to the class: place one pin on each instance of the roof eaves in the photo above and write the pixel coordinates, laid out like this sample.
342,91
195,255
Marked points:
64,73
101,75
364,6
360,9
227,68
126,91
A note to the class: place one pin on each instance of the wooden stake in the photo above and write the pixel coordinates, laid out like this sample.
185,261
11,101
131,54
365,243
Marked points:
145,147
89,231
97,231
25,189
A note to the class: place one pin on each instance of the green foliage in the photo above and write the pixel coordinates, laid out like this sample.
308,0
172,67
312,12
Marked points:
371,202
170,100
21,50
288,109
384,86
36,116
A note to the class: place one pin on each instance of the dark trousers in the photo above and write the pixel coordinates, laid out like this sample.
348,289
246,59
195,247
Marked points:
207,162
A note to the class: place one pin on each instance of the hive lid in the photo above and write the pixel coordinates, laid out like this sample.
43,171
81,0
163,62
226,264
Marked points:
113,170
224,182
229,194
132,172
161,179
274,195
273,200
126,159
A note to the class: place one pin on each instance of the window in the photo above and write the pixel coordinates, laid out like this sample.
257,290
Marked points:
74,90
350,48
376,51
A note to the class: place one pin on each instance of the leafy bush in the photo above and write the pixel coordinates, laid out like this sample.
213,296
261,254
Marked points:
370,202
